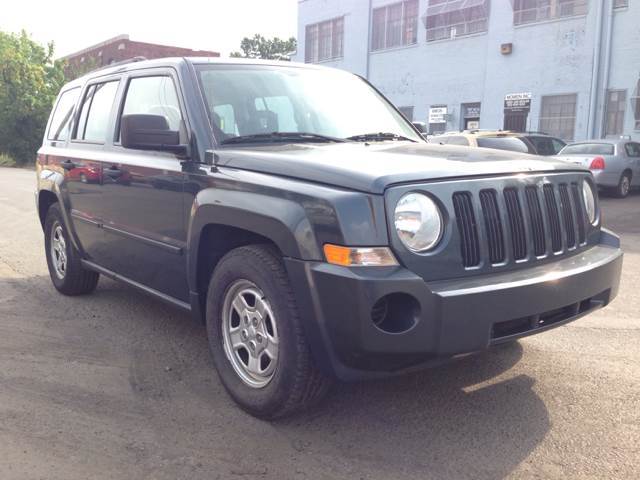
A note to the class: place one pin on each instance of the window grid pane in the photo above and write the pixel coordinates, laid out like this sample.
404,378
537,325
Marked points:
324,40
395,25
558,116
532,11
614,116
452,18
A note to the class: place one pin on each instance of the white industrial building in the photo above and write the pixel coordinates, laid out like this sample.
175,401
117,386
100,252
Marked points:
570,68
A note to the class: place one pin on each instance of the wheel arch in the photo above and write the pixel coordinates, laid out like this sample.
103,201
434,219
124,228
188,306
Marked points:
215,230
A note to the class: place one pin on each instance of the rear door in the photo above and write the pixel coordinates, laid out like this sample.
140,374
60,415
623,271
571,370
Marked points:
82,163
142,192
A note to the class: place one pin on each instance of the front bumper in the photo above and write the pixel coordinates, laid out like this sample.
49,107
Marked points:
453,317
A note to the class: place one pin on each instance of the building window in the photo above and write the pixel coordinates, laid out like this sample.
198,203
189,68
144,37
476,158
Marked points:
454,18
407,112
558,116
532,11
395,25
324,40
614,113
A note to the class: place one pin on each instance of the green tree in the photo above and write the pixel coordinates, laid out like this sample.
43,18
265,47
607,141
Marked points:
29,82
267,49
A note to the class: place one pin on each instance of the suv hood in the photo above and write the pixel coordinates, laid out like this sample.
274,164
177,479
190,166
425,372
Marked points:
374,167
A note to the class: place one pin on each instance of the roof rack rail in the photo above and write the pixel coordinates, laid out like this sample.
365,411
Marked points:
121,62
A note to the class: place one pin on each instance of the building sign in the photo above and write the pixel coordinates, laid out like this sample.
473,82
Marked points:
472,111
438,115
473,125
517,102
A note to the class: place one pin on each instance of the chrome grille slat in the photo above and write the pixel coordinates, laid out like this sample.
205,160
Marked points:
554,217
567,214
536,221
493,225
465,218
580,213
516,223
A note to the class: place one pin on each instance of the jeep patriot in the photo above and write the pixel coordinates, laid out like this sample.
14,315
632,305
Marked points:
297,213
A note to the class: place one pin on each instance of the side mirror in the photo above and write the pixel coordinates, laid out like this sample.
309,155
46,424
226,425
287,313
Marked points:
149,132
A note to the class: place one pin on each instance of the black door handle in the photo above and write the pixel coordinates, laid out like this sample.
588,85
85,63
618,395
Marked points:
68,165
113,172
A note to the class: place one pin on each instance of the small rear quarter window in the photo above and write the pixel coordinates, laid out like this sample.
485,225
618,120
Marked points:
62,115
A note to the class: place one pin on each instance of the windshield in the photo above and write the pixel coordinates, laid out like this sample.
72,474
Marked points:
254,100
588,149
512,144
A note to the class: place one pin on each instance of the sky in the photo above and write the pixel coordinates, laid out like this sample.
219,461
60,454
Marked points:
217,25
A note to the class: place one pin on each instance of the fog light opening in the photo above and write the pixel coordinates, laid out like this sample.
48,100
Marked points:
395,313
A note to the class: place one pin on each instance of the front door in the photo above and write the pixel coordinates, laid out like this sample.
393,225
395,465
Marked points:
142,194
515,121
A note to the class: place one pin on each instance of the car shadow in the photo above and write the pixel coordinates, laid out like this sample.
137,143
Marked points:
470,418
453,421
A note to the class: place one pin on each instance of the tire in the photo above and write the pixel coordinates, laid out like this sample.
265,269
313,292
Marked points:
292,383
73,279
624,186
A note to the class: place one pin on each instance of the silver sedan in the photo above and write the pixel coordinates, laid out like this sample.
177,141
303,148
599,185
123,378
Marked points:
615,164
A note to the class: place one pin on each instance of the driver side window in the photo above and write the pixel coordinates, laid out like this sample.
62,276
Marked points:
154,96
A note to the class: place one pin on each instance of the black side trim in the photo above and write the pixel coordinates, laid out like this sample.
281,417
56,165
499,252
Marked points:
149,241
120,278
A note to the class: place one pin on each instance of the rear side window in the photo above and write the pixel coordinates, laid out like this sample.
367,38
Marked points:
512,144
154,96
543,145
633,149
96,109
589,149
62,115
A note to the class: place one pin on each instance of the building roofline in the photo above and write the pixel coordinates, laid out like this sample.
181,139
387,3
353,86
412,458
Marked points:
117,38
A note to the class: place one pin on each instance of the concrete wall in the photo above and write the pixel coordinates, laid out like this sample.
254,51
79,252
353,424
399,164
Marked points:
549,58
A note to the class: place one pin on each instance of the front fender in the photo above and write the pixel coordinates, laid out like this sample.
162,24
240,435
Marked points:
281,220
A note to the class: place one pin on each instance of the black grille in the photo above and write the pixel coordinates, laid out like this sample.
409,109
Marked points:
580,215
539,219
535,220
554,218
567,214
493,225
516,223
466,220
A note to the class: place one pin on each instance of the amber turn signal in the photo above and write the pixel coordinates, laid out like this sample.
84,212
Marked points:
359,256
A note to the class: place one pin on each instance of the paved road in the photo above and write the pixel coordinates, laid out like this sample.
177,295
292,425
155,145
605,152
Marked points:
117,385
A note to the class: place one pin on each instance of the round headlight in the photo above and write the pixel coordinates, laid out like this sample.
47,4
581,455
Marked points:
589,201
418,222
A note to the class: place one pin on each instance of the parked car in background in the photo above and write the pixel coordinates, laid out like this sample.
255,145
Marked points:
615,164
536,143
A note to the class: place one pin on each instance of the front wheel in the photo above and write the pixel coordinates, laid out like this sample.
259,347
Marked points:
256,337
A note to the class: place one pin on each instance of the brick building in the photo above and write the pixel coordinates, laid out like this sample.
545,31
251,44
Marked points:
122,48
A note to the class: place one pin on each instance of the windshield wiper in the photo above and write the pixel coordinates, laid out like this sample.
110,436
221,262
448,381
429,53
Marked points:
281,137
379,137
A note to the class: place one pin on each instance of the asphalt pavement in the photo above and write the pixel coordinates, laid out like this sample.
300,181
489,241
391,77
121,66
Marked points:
117,385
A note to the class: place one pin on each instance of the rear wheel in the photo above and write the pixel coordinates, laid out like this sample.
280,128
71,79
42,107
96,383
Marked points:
624,186
64,261
256,337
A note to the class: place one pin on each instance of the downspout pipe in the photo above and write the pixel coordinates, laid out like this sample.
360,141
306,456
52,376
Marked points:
606,67
595,71
368,49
